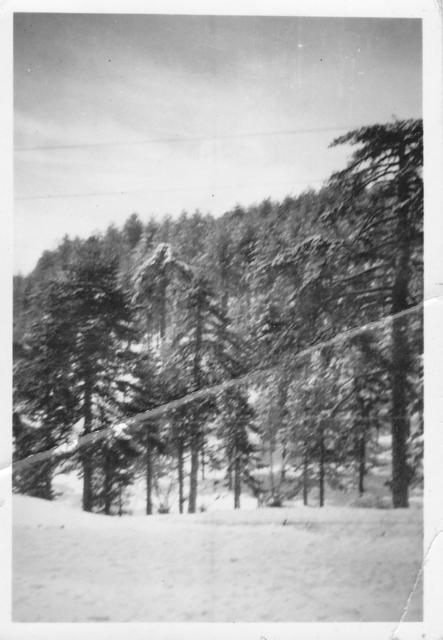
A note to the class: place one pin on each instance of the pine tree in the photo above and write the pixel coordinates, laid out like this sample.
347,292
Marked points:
44,400
179,422
132,230
147,392
97,346
151,280
234,417
382,201
205,351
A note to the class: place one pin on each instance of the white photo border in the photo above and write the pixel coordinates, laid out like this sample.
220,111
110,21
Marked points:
430,12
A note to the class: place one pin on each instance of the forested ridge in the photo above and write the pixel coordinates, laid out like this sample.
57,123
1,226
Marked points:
124,321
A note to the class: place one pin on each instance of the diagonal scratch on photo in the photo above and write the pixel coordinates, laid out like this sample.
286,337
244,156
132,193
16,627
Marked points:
218,319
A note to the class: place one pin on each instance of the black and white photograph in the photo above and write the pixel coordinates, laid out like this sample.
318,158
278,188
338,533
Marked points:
218,267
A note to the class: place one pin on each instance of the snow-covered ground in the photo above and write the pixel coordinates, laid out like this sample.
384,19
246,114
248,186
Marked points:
291,564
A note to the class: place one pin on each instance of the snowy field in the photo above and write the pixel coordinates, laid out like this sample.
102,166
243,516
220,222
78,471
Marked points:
292,564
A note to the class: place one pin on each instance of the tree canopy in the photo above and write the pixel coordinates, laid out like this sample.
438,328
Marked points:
321,292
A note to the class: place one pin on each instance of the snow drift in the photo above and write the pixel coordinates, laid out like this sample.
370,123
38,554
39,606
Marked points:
292,564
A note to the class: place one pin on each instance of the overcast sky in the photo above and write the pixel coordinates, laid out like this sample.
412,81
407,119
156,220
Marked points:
89,89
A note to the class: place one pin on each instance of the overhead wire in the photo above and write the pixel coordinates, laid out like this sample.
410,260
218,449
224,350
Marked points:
138,420
125,192
169,140
178,138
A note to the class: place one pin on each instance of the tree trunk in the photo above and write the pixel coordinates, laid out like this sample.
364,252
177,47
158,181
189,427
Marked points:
282,397
224,302
361,463
87,497
148,476
193,477
44,472
48,483
230,484
271,465
162,308
87,463
361,426
180,474
305,476
400,356
107,485
195,438
322,469
399,417
283,464
237,480
202,453
42,481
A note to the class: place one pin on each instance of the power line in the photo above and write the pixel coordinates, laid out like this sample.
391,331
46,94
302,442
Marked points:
125,192
93,145
139,419
160,189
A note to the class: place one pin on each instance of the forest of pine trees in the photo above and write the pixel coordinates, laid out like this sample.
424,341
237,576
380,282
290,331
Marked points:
319,296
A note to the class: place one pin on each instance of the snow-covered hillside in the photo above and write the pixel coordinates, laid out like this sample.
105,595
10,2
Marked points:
292,564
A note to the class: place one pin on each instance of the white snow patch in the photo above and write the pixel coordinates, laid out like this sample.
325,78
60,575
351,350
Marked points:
77,428
120,430
299,564
67,447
